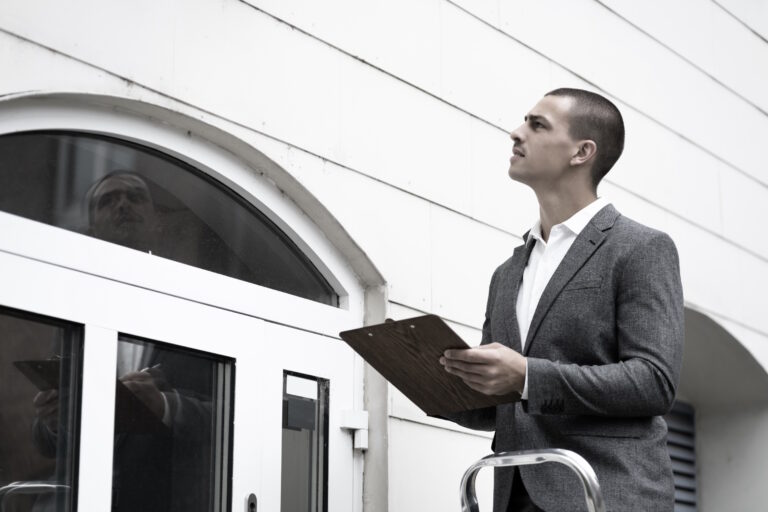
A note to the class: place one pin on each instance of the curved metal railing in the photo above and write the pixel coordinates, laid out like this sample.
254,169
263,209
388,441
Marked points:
31,487
571,459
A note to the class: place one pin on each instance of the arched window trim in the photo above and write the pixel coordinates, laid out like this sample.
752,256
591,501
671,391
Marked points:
188,140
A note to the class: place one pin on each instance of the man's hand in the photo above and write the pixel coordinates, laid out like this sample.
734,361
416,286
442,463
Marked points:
492,369
142,384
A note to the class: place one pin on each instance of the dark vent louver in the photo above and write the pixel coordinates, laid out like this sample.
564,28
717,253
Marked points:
681,445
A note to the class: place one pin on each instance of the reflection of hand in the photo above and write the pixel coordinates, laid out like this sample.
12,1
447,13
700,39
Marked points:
47,409
142,384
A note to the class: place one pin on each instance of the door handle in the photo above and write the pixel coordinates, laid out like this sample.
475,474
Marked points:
250,503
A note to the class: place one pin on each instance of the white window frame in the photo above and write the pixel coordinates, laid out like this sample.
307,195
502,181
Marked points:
23,240
106,308
79,252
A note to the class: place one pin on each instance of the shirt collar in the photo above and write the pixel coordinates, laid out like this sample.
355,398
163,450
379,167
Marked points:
581,218
577,222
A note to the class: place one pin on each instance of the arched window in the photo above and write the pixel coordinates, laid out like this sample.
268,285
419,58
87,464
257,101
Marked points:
138,197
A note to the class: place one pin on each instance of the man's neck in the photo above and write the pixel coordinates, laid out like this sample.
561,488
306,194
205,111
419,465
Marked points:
555,207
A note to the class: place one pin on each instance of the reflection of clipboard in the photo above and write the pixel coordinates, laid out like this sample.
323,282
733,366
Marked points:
407,354
43,373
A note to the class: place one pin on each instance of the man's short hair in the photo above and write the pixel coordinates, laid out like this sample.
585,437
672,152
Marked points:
595,118
128,177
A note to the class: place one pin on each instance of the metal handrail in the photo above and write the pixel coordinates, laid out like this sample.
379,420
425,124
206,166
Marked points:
571,459
30,487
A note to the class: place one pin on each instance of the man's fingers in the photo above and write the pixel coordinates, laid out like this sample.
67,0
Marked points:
44,397
469,368
48,410
459,373
136,377
469,376
483,354
484,385
138,385
469,355
478,387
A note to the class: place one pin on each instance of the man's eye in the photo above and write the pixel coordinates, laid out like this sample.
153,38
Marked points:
105,201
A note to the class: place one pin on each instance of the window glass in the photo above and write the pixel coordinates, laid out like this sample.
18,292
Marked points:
40,362
143,199
304,466
173,429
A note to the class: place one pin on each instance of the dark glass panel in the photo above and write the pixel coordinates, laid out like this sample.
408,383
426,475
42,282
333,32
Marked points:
173,429
146,200
40,361
304,466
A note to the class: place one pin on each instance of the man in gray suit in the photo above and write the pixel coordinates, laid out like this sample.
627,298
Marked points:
585,321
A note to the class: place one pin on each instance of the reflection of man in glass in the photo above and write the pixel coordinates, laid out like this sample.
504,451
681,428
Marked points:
163,401
121,210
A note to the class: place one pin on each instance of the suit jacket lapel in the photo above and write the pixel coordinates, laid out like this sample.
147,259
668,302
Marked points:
509,288
586,243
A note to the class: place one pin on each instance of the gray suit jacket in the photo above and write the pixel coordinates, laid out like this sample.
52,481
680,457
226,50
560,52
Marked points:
604,354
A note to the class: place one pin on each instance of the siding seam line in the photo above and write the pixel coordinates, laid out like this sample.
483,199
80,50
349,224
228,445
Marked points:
688,304
741,21
682,57
463,324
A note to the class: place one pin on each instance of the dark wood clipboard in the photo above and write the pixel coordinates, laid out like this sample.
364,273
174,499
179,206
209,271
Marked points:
43,373
407,354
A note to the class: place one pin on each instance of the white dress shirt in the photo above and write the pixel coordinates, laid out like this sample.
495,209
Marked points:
544,260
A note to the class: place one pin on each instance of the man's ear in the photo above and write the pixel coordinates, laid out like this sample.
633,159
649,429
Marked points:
585,151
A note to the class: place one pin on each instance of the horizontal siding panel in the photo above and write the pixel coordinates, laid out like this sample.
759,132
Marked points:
415,140
714,279
716,276
490,88
641,73
741,64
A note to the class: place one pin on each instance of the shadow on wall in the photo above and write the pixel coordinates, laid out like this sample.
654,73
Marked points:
718,371
728,389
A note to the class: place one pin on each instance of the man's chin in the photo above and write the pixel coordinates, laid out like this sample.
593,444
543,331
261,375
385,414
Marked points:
515,174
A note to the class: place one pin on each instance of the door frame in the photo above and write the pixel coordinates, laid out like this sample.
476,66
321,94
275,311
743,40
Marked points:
359,285
261,349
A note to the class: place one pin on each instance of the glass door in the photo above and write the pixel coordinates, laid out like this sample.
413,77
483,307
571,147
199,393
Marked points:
173,428
182,406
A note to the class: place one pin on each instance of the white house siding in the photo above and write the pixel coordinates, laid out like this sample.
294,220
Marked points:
395,115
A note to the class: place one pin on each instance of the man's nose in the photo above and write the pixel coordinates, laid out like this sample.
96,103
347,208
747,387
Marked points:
122,201
516,135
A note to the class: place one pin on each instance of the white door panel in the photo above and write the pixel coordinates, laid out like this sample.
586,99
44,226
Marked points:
262,350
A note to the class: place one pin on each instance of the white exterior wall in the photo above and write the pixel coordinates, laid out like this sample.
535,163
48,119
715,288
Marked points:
395,116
